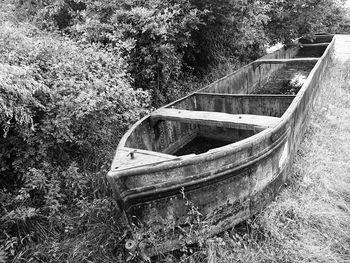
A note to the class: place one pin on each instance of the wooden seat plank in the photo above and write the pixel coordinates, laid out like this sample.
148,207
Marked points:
285,60
315,45
219,119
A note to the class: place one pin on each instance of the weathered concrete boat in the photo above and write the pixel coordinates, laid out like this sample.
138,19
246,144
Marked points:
227,148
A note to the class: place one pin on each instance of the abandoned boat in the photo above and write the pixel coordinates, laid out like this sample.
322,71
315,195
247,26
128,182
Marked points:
227,148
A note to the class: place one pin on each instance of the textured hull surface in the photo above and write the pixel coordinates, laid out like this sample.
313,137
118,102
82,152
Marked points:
164,187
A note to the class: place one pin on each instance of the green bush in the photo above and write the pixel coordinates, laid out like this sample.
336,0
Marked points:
165,42
152,35
70,101
232,31
292,19
64,107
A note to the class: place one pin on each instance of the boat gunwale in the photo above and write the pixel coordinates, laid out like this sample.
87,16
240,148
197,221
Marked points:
146,191
227,149
247,95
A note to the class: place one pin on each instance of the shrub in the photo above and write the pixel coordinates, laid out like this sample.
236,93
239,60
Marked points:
64,107
76,100
292,19
231,31
164,42
153,35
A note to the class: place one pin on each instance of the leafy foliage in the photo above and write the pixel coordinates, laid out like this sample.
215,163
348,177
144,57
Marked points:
160,31
231,29
165,42
152,35
71,97
291,19
64,107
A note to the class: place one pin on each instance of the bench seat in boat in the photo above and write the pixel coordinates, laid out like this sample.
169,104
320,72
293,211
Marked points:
285,60
219,119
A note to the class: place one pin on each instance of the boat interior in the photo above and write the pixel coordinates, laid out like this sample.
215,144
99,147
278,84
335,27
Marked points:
231,109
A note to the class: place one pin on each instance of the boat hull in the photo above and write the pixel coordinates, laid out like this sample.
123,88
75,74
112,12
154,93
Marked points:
182,199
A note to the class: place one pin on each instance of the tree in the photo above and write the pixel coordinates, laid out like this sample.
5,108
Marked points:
291,19
231,29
